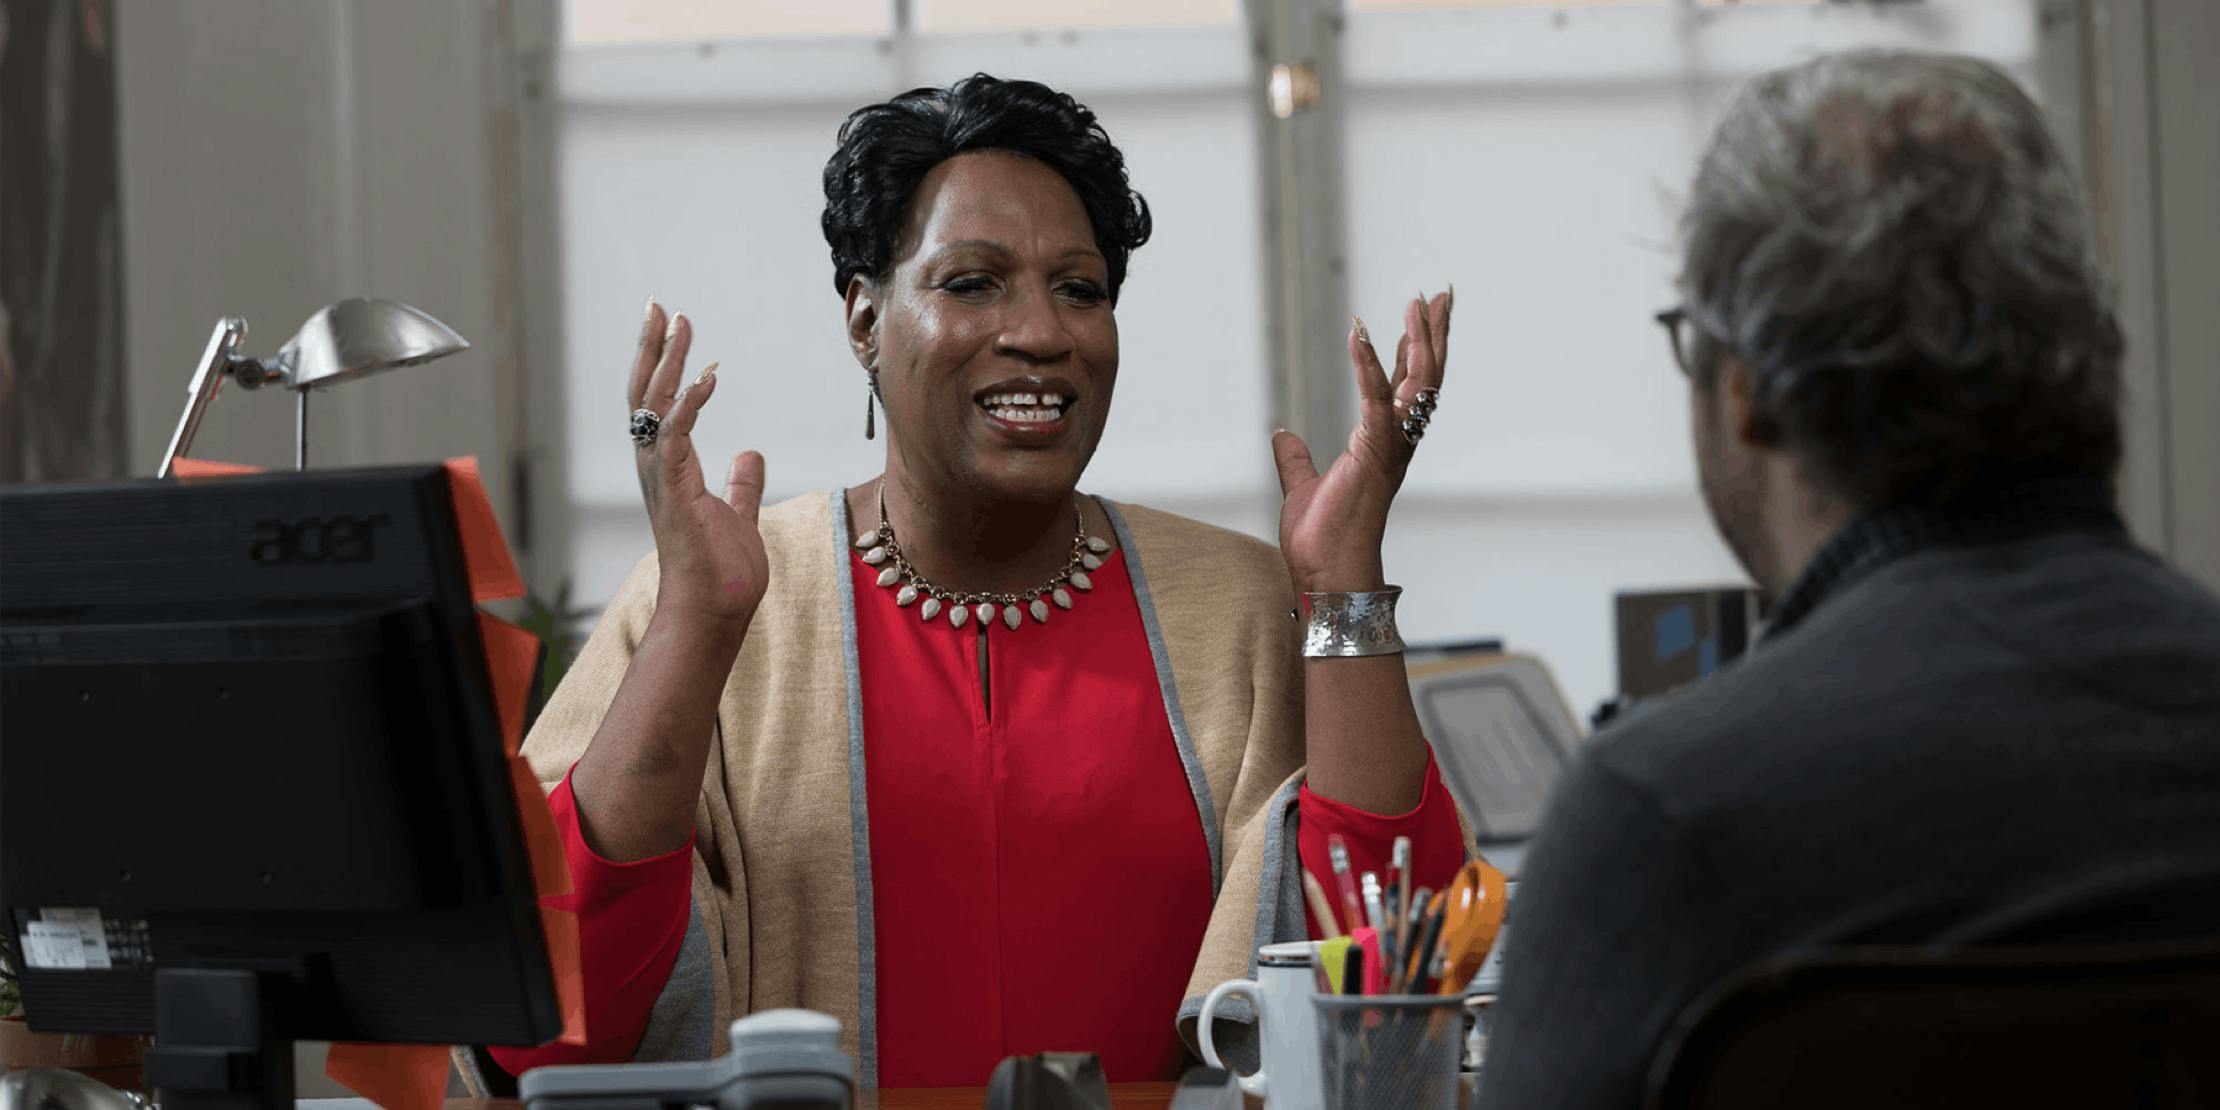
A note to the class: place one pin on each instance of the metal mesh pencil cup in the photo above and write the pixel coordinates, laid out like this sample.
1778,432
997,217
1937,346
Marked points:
1390,1052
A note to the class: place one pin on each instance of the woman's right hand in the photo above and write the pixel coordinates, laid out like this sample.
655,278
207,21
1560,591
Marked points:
714,569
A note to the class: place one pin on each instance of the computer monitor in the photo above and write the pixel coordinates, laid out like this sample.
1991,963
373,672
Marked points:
252,782
1502,734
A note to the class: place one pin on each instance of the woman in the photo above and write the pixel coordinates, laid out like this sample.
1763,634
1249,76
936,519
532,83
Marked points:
971,761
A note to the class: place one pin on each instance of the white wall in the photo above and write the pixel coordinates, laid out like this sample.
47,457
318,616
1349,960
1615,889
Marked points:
279,155
2154,146
2185,85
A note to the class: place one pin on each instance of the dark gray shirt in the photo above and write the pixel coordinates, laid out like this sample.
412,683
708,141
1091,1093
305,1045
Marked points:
1995,725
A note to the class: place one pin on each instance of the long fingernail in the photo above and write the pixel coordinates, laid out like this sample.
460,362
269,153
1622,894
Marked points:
707,372
649,311
1452,292
671,329
1363,336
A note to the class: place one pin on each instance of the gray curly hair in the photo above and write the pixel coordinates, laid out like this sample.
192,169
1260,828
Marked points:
1893,245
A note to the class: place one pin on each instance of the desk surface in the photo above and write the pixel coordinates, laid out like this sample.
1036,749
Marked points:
1123,1096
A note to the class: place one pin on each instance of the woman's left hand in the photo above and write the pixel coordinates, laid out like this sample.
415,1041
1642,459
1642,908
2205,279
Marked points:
1331,525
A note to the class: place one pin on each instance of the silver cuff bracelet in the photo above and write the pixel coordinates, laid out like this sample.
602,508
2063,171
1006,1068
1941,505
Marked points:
1351,625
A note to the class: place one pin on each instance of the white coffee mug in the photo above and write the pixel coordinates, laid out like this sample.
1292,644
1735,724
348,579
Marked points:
1287,1027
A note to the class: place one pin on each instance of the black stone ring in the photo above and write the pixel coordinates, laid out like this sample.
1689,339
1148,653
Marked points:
644,426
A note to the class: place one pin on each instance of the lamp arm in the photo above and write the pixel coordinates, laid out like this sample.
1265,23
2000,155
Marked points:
208,377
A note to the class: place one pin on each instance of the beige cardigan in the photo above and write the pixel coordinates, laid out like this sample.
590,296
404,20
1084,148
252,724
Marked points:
782,868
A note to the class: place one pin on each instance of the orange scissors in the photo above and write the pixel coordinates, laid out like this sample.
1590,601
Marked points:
1473,915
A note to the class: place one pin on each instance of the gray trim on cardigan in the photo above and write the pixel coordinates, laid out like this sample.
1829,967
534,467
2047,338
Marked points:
1282,871
859,810
683,1023
1197,784
1279,917
465,1058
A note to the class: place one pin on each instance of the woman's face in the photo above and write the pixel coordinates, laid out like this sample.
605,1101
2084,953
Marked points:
993,335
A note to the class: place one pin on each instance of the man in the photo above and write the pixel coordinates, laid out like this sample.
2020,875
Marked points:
1979,714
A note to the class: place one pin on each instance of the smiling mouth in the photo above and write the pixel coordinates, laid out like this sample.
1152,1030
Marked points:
1023,407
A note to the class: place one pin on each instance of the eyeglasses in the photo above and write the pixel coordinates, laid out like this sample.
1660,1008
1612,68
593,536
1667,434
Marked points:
1675,322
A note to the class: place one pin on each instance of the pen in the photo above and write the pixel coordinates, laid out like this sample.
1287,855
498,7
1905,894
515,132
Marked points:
1399,920
1391,880
1413,937
1321,909
1420,970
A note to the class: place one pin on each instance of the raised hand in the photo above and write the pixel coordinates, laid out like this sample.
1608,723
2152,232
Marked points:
1331,525
714,570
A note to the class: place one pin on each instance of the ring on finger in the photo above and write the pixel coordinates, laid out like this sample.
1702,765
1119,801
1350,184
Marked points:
1421,412
645,424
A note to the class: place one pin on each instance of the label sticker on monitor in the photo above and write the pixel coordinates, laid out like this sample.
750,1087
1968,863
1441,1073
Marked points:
67,940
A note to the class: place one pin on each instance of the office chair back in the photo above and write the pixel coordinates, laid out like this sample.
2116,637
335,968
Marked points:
2089,1027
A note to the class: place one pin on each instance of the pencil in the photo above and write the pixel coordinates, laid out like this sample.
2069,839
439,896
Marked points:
1375,915
1375,911
1337,850
1321,908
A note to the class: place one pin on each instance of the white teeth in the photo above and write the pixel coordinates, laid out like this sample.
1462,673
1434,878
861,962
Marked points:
1024,415
1004,400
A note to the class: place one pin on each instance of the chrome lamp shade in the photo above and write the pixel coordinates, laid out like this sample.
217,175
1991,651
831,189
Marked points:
360,336
351,339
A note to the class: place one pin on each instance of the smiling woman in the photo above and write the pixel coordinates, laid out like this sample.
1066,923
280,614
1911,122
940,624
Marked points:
969,759
995,355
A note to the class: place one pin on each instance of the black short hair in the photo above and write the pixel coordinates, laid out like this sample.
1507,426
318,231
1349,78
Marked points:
886,149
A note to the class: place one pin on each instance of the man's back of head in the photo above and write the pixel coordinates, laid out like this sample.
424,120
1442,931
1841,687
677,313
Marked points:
1889,280
1979,714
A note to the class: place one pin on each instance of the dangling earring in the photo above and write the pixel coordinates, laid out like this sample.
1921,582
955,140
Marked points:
870,410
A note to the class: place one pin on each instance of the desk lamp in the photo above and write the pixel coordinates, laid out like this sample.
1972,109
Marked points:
354,338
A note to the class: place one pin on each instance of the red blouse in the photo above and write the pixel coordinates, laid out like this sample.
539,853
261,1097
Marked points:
1040,877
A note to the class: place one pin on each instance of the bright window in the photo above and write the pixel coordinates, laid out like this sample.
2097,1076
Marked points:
956,16
625,22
